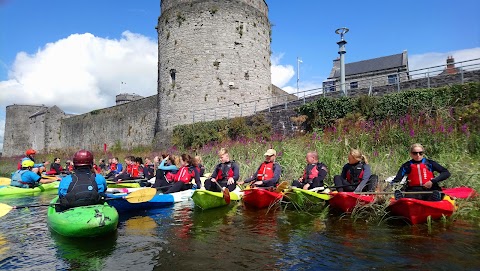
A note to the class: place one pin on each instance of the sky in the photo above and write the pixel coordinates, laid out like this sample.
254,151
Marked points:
79,54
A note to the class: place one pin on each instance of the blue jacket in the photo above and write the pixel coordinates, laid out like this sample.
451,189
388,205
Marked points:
65,183
25,179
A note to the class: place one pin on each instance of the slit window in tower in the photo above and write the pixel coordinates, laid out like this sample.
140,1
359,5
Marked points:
172,75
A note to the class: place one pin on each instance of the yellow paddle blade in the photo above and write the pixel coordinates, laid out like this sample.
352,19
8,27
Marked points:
282,186
5,209
5,181
142,195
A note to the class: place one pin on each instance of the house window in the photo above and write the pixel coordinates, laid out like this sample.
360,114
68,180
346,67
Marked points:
392,78
353,85
329,86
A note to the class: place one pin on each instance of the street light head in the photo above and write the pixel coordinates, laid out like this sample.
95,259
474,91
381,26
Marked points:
341,31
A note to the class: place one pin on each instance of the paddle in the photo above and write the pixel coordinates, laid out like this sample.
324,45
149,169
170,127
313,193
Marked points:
456,192
139,196
226,193
282,186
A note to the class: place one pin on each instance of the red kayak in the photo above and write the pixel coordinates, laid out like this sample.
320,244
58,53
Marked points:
417,211
261,198
346,201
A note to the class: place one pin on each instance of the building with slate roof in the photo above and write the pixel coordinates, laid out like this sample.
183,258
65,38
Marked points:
381,71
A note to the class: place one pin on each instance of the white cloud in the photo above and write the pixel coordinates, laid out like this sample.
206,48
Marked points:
432,59
281,74
82,72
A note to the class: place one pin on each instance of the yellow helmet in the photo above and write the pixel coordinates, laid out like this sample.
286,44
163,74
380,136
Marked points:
27,163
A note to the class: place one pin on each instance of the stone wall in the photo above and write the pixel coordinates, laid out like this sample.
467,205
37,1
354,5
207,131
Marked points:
17,128
127,125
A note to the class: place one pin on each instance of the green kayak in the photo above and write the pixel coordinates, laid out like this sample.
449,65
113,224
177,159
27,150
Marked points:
17,191
207,199
84,221
301,197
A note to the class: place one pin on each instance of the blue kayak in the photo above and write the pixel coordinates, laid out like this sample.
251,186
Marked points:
158,201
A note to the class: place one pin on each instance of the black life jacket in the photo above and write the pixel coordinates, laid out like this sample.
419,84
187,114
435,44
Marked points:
82,191
355,173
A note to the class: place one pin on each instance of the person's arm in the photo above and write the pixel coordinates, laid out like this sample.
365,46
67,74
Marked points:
236,171
63,186
254,176
344,171
367,172
101,184
197,178
444,173
215,172
162,166
404,170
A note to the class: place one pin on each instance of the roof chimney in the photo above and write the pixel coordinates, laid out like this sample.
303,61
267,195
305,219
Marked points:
451,65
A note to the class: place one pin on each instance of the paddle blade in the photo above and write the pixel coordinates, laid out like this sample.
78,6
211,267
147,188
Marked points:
460,192
282,186
5,209
142,195
226,195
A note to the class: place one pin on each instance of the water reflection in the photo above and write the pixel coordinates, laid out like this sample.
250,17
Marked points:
84,253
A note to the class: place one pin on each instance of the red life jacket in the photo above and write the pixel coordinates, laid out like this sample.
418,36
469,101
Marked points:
313,170
113,167
134,170
266,171
184,174
225,171
419,174
169,176
355,173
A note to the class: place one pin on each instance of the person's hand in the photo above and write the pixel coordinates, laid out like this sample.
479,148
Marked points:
240,182
428,184
46,163
300,179
306,186
214,180
230,181
258,183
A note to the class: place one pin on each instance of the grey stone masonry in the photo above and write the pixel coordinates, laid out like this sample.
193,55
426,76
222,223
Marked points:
212,54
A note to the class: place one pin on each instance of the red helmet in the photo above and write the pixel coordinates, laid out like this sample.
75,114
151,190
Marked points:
83,158
30,152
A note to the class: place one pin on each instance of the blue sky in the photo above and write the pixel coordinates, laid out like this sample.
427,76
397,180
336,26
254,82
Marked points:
58,52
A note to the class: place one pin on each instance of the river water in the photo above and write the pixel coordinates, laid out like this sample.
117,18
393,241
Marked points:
182,237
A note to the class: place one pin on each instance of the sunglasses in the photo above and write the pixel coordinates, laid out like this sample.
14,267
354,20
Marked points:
417,152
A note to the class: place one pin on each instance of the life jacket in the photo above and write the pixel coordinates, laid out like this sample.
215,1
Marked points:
169,176
355,173
82,191
420,173
225,171
313,170
134,171
17,177
184,174
266,171
113,167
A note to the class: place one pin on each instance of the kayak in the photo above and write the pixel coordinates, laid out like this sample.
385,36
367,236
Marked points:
158,201
261,198
206,199
17,191
301,197
83,221
346,201
5,181
417,211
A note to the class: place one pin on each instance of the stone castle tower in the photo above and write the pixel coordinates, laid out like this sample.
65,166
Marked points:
212,55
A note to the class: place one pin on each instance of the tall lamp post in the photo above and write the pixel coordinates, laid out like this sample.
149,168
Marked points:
341,51
298,75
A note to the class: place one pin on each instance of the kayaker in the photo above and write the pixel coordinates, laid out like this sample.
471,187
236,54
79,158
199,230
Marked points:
55,168
37,167
268,173
198,163
26,178
185,174
83,187
115,168
314,173
226,173
165,172
356,173
420,175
